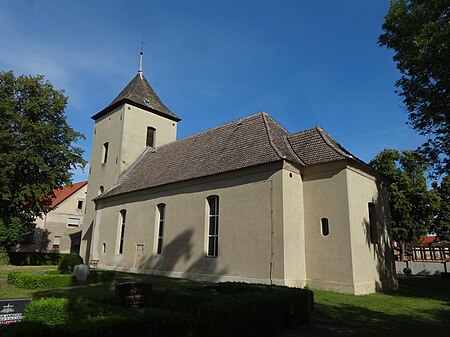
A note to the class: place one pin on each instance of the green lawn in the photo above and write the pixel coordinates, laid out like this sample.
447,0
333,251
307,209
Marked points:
421,307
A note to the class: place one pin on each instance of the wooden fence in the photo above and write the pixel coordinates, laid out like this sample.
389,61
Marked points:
430,254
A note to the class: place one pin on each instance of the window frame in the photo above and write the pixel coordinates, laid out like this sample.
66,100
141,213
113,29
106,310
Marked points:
212,227
105,153
161,221
373,224
325,226
150,131
73,224
121,231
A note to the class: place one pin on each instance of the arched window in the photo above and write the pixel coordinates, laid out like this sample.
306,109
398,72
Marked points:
373,226
213,226
160,232
325,226
121,231
101,189
150,136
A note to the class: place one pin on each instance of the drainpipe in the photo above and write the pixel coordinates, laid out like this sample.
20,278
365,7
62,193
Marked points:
271,233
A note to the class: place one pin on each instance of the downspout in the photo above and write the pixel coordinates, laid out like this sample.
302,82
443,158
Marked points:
271,233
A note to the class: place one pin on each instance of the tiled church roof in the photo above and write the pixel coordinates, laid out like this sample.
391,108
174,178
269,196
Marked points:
250,141
140,93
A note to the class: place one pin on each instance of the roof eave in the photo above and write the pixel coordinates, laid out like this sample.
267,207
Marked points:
141,106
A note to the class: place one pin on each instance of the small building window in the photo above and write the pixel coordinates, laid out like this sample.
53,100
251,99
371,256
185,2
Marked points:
150,136
121,231
104,247
73,222
105,153
80,204
213,226
56,241
161,220
373,226
101,190
325,226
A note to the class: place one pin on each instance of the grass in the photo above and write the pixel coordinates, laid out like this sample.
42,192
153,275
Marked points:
420,307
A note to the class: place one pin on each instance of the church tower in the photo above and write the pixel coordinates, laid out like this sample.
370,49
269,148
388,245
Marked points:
134,121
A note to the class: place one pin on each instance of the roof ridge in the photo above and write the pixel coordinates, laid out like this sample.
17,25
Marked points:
79,184
237,121
291,150
327,141
269,135
126,173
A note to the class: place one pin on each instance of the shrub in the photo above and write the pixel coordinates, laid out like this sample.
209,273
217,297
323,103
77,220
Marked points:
23,329
150,322
253,309
34,259
39,280
68,262
407,271
4,257
178,300
97,275
48,311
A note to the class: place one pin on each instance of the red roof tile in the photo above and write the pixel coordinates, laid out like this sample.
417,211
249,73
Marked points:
64,192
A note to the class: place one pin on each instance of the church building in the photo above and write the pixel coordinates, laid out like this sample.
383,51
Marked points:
244,201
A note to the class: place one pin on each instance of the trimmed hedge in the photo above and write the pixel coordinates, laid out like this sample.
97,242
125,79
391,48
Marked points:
98,275
34,259
39,280
48,311
178,300
246,315
68,263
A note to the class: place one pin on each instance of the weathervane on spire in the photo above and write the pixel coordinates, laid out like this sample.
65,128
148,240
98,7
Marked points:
140,55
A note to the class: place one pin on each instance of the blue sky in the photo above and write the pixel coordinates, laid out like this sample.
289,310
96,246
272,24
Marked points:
305,63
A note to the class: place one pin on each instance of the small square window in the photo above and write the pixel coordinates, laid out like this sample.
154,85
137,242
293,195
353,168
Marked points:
80,204
73,222
56,241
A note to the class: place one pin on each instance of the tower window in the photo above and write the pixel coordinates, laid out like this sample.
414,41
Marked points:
150,136
105,153
213,226
325,226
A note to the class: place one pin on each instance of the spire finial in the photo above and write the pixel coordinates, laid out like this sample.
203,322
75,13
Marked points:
140,56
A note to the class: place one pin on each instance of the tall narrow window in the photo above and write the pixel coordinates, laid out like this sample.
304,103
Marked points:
150,136
121,232
325,226
373,223
213,226
162,216
105,153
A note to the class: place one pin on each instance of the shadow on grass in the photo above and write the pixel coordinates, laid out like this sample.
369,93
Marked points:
405,312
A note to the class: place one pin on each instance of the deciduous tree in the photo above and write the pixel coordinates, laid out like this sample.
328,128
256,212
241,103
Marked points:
441,225
37,151
412,205
418,31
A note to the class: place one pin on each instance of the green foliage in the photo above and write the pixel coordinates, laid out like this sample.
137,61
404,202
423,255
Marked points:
48,311
36,151
34,259
178,300
412,205
407,271
418,31
39,280
97,275
441,225
4,257
68,262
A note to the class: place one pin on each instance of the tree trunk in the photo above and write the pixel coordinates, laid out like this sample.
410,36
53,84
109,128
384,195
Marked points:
402,251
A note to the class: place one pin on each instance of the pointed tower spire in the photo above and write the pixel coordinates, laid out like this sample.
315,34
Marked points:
140,57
